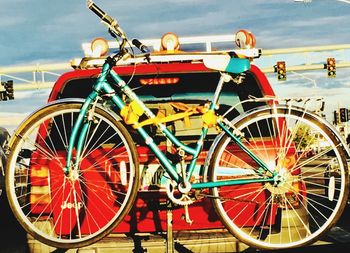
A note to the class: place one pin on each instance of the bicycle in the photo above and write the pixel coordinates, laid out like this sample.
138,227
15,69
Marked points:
73,169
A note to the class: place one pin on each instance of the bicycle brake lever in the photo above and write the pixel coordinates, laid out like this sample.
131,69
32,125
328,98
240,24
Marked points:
146,56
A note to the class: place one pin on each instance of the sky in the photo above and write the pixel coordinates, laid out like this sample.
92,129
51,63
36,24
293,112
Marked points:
48,31
42,31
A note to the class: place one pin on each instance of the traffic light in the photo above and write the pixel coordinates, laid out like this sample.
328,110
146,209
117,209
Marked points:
280,68
331,69
3,96
343,115
336,118
9,91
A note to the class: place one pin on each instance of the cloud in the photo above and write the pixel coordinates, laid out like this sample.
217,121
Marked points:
51,31
44,29
320,21
7,22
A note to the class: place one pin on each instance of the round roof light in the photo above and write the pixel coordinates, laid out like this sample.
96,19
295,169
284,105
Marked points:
245,39
170,42
99,47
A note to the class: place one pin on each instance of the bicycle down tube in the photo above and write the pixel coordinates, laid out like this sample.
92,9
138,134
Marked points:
103,86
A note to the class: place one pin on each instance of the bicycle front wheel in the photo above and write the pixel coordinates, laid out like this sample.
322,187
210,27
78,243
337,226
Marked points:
309,190
74,210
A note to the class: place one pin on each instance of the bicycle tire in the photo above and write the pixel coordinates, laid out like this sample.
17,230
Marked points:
71,211
310,194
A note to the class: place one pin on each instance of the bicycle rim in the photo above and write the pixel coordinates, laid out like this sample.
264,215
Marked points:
309,194
67,211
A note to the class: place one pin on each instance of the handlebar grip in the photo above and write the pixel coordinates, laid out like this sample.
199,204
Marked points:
140,46
100,13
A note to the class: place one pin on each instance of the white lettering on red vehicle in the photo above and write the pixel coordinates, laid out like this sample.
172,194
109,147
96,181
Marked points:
69,205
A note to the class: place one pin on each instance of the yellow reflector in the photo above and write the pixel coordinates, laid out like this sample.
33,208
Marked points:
123,173
331,188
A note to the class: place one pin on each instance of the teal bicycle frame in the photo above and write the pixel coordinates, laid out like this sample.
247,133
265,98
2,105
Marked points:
103,87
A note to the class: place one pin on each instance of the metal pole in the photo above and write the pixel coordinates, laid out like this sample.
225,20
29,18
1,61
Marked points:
169,231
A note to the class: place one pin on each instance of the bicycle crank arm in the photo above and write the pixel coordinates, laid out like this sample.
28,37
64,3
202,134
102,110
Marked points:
187,215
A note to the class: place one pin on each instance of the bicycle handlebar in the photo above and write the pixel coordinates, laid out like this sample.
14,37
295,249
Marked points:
115,29
143,48
105,18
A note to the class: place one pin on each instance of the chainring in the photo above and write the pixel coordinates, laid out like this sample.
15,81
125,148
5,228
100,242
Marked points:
177,197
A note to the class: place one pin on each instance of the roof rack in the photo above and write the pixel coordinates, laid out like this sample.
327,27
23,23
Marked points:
159,56
155,44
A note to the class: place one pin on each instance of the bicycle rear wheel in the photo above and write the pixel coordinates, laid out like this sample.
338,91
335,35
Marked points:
75,210
309,192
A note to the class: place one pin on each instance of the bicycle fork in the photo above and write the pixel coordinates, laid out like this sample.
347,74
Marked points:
82,124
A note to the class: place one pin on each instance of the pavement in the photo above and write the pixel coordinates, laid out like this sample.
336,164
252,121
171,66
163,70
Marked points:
13,238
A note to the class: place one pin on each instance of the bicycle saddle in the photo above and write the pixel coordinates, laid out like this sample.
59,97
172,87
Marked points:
227,64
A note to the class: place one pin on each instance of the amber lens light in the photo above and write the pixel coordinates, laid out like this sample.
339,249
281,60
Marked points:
170,42
99,47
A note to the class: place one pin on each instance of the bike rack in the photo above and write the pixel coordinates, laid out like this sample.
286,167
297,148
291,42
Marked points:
169,231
